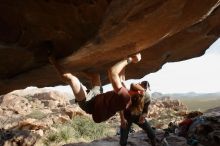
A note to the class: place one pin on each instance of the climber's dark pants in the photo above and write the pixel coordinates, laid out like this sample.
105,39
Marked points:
145,126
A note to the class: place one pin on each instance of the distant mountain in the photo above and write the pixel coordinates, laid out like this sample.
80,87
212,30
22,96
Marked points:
194,101
190,95
157,95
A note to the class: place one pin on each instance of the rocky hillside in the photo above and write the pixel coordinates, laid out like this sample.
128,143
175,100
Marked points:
46,117
194,101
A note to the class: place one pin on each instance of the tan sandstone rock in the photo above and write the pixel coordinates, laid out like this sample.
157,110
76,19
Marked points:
91,35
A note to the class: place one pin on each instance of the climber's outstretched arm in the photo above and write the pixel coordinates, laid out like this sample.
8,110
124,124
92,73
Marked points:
115,70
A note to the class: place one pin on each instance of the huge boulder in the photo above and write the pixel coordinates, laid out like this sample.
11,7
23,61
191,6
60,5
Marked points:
91,35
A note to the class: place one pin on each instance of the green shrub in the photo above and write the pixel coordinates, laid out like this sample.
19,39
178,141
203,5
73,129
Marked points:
78,127
62,134
65,133
29,97
51,137
36,114
84,127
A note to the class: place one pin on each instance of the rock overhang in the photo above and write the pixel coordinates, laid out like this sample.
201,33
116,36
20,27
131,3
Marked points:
91,35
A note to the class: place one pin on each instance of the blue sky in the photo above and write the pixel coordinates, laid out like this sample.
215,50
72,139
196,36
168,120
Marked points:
201,75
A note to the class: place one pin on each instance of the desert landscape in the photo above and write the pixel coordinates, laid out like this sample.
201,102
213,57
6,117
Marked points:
36,116
90,36
194,101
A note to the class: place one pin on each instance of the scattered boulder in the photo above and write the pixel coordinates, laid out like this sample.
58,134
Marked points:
42,110
161,112
17,138
52,99
31,124
199,128
73,110
17,104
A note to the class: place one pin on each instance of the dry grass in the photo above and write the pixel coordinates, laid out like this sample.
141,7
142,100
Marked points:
81,127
